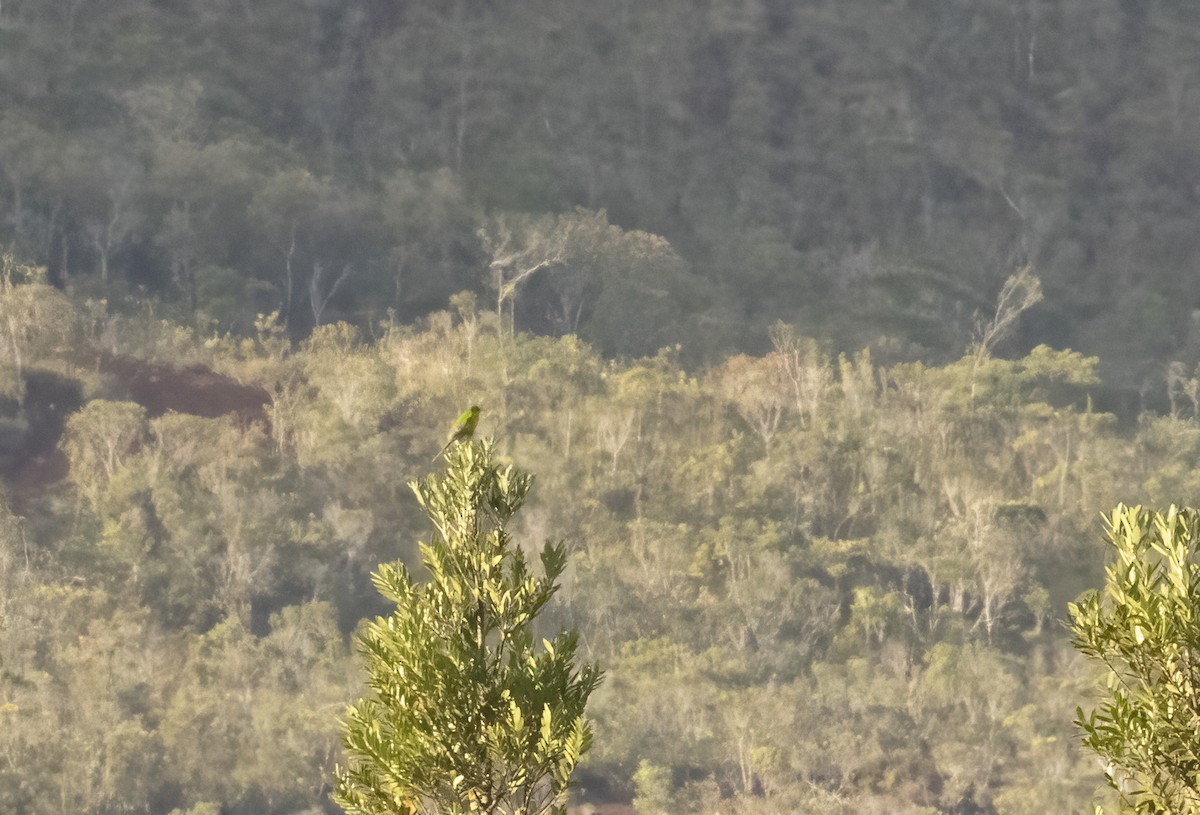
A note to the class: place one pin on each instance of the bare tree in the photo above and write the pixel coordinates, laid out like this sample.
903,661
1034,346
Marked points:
108,229
320,299
1021,292
613,433
805,367
178,237
520,247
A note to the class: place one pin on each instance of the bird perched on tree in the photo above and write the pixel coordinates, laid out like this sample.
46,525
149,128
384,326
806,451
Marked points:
464,428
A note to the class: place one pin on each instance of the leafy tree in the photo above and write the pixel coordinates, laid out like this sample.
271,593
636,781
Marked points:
35,319
467,715
653,785
1143,629
100,437
272,696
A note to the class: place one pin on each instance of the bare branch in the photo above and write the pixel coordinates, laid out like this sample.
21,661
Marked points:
1021,292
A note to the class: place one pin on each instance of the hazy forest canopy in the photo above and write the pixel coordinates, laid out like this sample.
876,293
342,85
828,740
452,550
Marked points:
721,276
870,170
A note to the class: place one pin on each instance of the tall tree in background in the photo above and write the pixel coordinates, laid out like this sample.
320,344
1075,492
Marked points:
1145,628
467,714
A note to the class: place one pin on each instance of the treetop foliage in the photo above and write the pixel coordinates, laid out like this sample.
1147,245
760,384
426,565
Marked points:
467,714
1143,628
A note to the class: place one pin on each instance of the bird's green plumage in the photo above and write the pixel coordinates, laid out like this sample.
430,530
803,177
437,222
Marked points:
464,428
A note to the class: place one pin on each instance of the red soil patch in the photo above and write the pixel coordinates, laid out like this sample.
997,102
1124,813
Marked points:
197,390
38,462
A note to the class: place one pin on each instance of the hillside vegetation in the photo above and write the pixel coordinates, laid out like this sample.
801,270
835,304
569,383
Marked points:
721,274
817,583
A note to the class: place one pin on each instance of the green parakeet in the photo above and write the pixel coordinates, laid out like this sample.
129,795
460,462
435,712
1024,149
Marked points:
464,428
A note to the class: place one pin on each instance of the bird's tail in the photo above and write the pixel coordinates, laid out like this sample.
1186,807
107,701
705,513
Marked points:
444,449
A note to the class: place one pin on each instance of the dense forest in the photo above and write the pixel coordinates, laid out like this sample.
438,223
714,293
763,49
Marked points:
828,329
872,171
